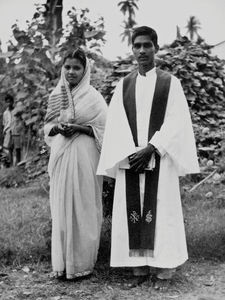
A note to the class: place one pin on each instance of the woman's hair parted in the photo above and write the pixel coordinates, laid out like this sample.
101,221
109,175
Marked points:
78,54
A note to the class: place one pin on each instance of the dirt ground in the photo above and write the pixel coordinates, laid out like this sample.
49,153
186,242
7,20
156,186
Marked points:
194,281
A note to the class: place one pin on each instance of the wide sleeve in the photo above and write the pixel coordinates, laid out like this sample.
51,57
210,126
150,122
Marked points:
118,141
176,137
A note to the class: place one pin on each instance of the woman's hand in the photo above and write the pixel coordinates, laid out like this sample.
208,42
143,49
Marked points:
68,130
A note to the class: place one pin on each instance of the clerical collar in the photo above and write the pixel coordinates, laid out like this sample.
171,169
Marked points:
149,73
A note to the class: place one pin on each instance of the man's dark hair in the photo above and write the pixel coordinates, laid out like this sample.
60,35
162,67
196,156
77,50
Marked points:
145,30
78,54
9,97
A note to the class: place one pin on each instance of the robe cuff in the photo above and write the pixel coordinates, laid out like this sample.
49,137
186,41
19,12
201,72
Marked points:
155,141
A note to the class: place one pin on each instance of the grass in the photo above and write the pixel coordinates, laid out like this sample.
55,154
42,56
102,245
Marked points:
25,252
205,222
26,226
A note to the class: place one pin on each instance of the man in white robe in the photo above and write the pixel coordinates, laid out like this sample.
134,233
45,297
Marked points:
173,142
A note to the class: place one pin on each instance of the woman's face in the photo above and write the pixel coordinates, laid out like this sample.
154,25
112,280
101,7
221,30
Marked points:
74,71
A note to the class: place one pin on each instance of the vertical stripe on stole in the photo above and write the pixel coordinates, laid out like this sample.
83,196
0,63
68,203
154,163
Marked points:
141,227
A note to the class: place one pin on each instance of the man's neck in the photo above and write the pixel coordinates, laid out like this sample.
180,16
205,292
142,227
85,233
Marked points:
143,69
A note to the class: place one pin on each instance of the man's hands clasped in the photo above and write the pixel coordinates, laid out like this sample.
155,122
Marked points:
140,160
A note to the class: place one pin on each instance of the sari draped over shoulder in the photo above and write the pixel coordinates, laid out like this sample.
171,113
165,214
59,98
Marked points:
75,189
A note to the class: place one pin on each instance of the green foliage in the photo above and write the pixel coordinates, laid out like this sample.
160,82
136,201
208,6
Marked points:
80,31
31,65
203,77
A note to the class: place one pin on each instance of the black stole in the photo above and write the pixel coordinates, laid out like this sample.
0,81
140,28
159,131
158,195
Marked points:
141,227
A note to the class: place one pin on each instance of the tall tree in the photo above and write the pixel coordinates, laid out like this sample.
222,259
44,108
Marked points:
54,19
128,7
81,31
193,27
178,37
48,20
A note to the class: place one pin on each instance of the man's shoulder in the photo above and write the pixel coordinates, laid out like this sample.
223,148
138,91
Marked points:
126,78
163,73
166,74
132,74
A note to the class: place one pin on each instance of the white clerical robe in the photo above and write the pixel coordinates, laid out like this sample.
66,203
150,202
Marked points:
176,146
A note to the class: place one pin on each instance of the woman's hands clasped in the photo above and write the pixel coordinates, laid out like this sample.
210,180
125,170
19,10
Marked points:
68,130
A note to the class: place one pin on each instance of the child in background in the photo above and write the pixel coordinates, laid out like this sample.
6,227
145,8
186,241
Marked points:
17,134
13,131
7,120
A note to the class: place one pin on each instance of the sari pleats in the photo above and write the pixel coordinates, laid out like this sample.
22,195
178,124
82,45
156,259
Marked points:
76,208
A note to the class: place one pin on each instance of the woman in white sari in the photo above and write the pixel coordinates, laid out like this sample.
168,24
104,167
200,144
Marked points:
74,129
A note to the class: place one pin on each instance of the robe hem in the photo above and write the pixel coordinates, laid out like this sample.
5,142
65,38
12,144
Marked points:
153,265
141,253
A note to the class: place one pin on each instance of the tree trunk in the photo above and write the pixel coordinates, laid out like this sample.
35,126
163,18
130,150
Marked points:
54,21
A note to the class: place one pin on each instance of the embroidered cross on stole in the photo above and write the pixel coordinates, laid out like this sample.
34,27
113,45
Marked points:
141,227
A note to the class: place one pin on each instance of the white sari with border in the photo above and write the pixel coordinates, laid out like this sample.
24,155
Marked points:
75,189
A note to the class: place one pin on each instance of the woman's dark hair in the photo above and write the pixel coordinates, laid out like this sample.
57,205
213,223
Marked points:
145,30
78,54
9,97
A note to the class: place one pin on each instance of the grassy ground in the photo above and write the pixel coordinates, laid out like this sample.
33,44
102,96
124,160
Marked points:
205,222
25,251
25,225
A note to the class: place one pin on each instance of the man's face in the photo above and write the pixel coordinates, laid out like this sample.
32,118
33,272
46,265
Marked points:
144,51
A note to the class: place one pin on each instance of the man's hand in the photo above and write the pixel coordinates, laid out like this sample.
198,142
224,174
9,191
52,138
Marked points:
140,160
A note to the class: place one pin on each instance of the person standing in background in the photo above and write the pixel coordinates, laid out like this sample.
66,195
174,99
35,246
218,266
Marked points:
17,134
7,121
13,131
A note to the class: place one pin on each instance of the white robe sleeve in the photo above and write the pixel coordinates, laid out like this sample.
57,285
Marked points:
118,141
176,137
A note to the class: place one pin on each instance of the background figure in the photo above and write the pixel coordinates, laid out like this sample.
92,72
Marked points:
74,128
13,131
17,135
148,143
7,121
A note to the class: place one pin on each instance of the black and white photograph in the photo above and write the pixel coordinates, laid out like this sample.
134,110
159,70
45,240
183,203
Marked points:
112,149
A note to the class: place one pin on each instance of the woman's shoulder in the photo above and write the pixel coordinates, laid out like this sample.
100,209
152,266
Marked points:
94,91
95,94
